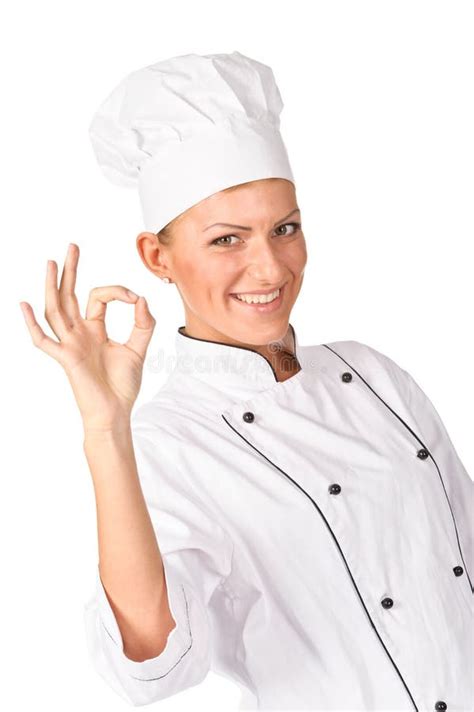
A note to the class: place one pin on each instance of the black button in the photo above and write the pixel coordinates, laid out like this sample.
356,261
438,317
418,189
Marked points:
440,705
346,377
387,602
248,417
334,489
423,454
458,570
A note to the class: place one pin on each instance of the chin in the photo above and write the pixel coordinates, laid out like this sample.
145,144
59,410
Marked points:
266,333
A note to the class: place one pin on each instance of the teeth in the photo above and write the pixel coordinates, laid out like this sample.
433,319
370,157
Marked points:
258,298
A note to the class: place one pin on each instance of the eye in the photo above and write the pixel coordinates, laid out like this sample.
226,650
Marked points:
224,237
295,225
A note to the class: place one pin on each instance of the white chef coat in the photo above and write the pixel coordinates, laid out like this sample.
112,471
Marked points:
317,535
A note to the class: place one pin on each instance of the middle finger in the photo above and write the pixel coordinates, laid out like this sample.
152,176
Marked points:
53,312
67,284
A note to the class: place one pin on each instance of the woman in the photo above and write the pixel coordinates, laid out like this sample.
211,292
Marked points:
294,517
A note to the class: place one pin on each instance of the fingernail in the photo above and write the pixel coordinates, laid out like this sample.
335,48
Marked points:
131,294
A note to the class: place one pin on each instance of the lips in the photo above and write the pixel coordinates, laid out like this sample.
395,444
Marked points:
253,304
264,307
258,293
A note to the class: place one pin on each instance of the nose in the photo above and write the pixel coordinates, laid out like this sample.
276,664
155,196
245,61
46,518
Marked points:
265,265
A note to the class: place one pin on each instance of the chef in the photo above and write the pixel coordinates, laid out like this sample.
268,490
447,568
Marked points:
314,519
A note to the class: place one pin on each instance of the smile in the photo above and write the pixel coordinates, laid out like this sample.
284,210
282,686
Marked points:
258,298
261,302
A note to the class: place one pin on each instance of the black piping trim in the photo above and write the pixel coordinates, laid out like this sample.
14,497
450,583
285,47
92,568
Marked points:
151,679
340,551
244,348
426,448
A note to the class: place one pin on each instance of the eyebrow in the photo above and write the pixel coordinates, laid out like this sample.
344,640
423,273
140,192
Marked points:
242,227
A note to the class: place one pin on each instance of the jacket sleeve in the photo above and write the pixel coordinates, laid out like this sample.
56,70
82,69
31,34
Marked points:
423,418
458,484
197,557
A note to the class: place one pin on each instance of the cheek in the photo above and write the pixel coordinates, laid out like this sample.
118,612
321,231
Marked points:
205,280
303,256
296,257
189,273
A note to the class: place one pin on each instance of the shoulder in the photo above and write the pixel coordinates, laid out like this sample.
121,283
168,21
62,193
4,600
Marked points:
376,368
363,354
158,413
171,415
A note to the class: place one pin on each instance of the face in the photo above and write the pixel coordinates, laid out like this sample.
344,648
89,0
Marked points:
248,240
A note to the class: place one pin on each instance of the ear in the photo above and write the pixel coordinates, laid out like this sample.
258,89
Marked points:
152,253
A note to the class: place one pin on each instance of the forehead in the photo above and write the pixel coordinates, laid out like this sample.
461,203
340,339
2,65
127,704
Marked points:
259,200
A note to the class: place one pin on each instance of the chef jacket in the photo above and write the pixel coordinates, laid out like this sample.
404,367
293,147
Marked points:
317,535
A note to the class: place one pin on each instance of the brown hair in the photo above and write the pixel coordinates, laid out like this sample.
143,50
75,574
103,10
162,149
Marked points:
165,235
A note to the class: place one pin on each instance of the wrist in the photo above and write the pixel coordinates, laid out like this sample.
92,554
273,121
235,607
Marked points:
110,431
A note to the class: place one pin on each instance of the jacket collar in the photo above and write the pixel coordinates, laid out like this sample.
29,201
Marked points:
225,364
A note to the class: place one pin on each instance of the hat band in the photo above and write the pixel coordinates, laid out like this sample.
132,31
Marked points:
191,170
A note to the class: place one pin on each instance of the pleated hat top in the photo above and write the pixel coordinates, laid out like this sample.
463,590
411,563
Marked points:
187,127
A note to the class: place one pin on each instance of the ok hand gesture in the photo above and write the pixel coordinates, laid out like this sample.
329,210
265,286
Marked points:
105,375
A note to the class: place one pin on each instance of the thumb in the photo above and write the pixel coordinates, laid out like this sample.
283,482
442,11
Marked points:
143,328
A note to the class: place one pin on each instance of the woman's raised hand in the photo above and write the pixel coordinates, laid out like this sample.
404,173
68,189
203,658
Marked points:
105,375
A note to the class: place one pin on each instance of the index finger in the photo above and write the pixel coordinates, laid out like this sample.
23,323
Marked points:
99,297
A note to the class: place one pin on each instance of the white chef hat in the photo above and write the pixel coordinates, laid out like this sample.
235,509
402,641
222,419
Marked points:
190,126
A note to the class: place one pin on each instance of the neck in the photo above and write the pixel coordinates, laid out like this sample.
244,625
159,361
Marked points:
280,353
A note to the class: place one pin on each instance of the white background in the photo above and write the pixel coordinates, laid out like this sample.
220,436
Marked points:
378,124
